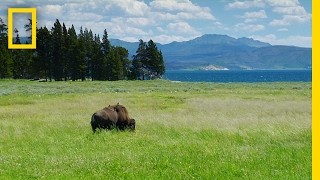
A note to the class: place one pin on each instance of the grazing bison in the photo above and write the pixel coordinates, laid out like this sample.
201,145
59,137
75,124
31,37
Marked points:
115,115
105,118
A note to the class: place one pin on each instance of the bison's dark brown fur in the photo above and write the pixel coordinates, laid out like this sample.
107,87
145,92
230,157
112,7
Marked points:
105,118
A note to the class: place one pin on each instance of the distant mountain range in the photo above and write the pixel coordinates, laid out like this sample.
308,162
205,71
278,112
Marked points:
222,52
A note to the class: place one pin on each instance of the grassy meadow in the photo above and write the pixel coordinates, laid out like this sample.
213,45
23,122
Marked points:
184,130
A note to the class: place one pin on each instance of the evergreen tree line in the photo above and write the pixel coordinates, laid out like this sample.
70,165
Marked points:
62,54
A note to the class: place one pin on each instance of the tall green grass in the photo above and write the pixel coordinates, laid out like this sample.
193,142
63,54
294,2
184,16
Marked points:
184,130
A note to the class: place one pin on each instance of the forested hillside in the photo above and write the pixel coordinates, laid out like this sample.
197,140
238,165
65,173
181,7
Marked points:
64,54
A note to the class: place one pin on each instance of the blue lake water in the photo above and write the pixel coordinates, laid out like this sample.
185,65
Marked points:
240,76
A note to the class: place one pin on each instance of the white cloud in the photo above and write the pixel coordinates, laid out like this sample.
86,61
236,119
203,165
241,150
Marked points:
161,16
165,16
69,11
182,28
77,7
183,15
301,41
160,29
290,20
127,7
299,19
259,14
48,10
204,15
184,9
250,20
279,23
249,27
253,16
141,21
245,4
295,10
176,5
292,12
78,16
283,3
283,29
219,25
137,31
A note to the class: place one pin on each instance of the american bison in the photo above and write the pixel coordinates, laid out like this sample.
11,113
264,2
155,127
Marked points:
112,116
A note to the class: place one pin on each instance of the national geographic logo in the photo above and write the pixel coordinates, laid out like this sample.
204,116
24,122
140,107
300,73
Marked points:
33,12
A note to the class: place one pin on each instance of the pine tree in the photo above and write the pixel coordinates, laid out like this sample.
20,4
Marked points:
80,58
106,46
32,70
155,63
148,62
106,49
72,52
98,64
124,67
6,63
22,59
3,33
89,41
57,51
43,60
65,51
138,62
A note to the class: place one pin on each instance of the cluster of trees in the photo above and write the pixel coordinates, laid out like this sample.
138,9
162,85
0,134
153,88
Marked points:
148,61
62,54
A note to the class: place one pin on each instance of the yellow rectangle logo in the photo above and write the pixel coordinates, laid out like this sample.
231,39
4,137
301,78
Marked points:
33,12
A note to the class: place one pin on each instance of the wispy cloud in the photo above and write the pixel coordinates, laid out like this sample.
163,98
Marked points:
249,27
301,41
245,4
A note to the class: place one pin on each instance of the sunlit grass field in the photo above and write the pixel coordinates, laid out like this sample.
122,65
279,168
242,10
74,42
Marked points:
183,131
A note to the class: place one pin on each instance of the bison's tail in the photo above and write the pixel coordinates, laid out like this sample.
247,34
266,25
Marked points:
92,119
93,123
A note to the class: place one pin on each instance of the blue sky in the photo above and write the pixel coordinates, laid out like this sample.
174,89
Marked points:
278,22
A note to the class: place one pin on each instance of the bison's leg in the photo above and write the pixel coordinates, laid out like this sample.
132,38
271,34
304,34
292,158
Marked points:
120,126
